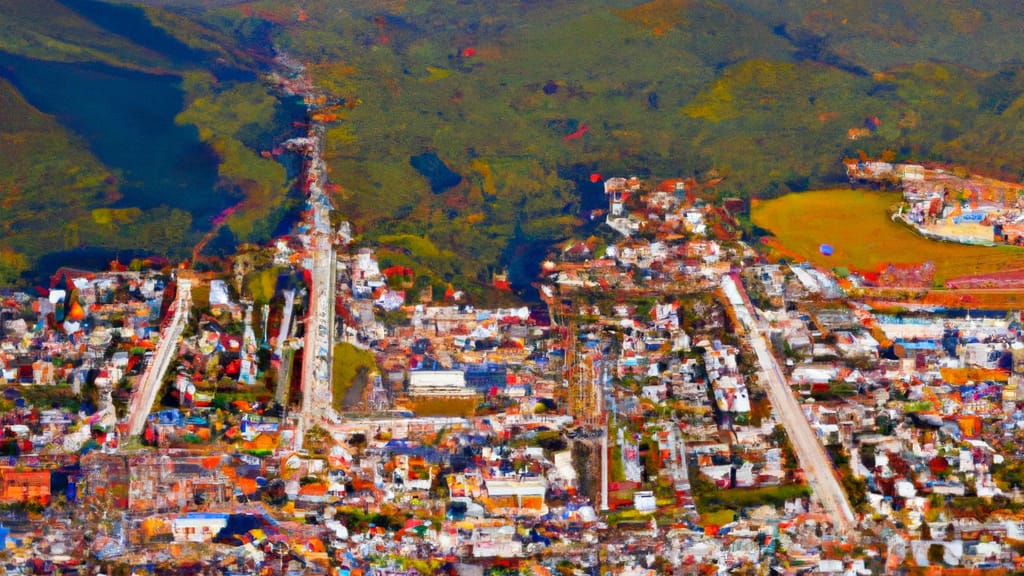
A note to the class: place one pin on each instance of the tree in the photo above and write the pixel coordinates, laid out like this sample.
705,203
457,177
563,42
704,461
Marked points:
317,440
274,493
357,441
884,425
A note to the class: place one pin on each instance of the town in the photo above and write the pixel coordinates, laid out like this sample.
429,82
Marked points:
672,401
675,403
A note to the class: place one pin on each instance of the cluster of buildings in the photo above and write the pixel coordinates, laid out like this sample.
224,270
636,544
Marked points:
949,205
68,354
934,391
622,426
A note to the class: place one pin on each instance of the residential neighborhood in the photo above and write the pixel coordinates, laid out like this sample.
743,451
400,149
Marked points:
628,422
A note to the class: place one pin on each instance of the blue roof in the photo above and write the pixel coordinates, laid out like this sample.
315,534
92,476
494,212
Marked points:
918,345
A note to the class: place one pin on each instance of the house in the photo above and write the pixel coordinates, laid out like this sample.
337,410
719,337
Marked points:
261,444
910,172
644,501
42,373
577,252
464,485
814,374
439,383
197,527
731,395
24,486
495,542
413,473
525,495
315,493
952,552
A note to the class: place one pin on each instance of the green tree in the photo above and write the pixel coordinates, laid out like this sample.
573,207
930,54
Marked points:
317,440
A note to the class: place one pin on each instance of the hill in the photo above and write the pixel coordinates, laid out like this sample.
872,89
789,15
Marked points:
475,125
525,100
120,122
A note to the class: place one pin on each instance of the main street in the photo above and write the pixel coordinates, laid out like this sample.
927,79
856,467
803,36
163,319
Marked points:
816,464
321,260
319,339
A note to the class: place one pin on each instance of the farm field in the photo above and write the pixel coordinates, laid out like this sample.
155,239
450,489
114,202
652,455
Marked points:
857,225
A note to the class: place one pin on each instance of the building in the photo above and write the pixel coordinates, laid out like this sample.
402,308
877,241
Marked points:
524,495
198,527
24,485
439,384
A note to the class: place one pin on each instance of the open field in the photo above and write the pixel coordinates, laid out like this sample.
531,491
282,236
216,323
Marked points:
857,225
979,299
351,366
1006,280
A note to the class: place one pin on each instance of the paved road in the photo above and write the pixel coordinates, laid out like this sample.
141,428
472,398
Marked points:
149,383
319,340
284,374
816,464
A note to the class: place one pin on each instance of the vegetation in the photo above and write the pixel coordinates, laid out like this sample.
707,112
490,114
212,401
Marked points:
717,518
856,224
358,520
317,441
464,407
261,284
854,487
53,174
710,499
45,168
235,122
50,30
764,94
985,506
766,99
1009,474
350,363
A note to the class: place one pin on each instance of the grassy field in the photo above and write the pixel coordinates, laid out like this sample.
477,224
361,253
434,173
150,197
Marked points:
856,224
717,518
453,407
349,363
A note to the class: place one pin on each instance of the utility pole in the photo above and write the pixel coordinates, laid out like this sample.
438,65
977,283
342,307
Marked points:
604,470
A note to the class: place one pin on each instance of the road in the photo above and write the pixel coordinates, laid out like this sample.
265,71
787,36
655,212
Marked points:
319,339
284,374
149,383
816,464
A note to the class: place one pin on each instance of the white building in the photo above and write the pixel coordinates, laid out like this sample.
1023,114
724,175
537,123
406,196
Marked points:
439,383
198,527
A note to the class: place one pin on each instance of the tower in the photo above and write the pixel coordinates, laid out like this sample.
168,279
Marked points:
247,372
614,188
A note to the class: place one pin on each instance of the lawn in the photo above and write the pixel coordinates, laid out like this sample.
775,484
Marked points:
717,518
350,364
711,500
857,225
